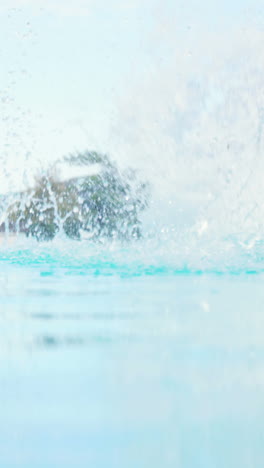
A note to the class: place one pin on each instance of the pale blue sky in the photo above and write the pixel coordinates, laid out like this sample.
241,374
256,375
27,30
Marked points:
67,67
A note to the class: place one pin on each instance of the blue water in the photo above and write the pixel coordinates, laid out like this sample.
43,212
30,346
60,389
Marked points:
109,361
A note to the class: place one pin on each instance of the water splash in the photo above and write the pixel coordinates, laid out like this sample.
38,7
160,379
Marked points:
194,127
200,140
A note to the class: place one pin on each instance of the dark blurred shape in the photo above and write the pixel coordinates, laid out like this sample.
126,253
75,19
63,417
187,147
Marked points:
104,203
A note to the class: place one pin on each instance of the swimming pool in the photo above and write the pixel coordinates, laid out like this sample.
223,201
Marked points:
107,363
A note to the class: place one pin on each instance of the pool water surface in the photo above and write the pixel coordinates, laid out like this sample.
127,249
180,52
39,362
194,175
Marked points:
123,367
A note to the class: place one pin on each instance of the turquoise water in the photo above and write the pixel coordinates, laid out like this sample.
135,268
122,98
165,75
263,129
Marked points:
147,355
110,363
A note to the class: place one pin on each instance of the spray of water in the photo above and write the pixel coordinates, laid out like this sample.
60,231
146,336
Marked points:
193,126
197,126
